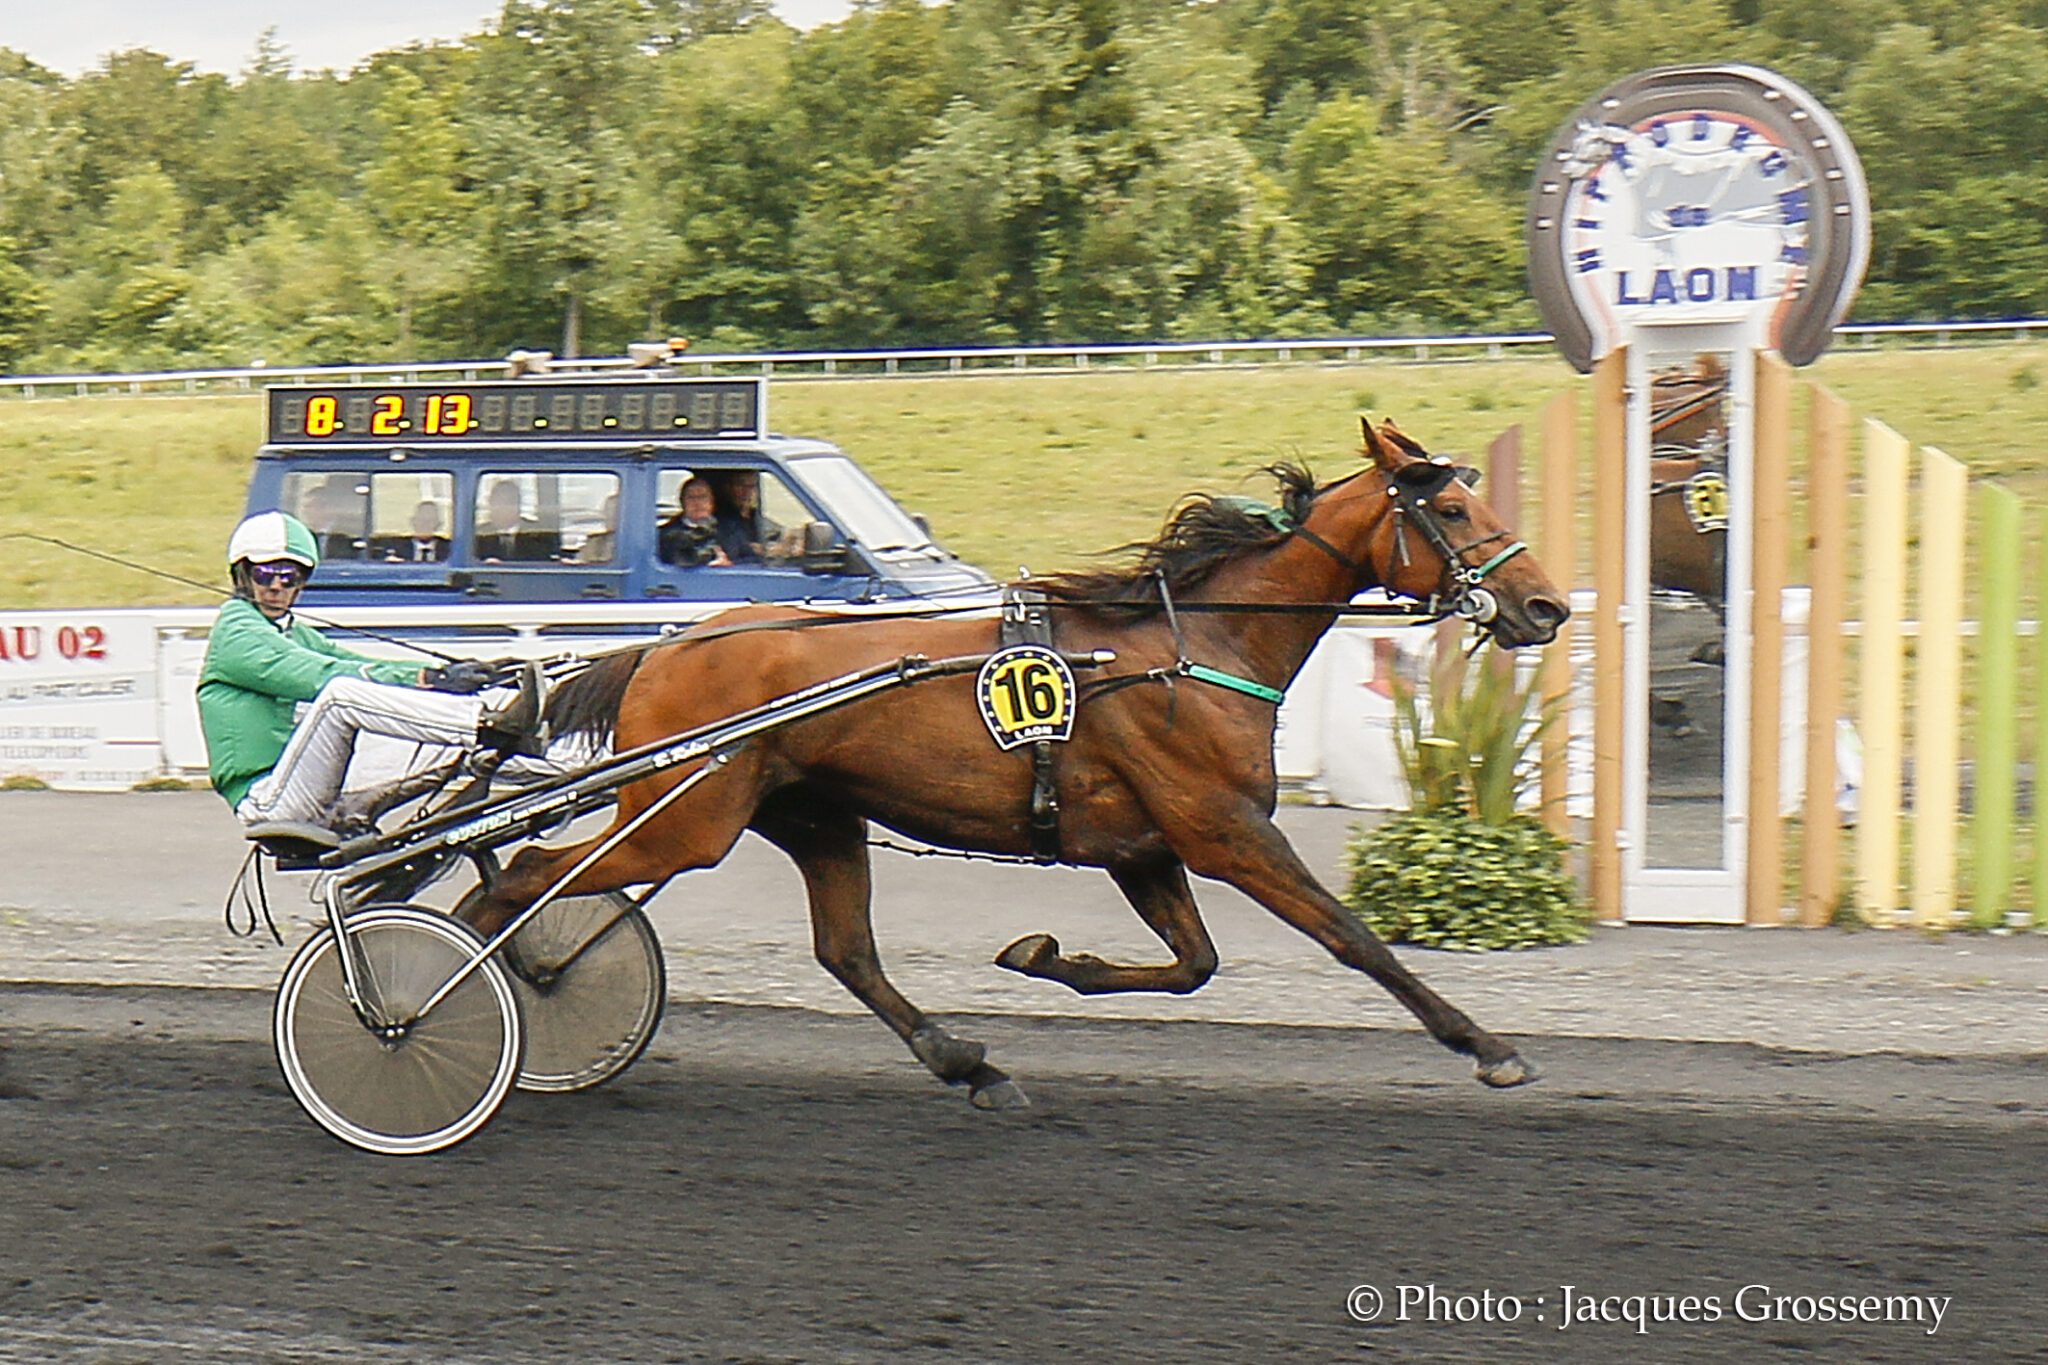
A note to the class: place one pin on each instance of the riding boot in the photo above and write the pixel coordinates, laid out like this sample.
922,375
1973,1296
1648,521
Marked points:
358,812
516,727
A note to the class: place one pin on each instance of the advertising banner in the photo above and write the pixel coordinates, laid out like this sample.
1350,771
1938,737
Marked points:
78,698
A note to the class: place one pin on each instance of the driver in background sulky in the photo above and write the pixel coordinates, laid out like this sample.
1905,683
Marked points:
262,662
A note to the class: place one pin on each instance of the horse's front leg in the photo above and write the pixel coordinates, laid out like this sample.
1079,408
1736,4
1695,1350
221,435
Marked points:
1159,892
1243,847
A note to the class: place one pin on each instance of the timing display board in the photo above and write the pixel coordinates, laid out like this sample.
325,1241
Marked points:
516,410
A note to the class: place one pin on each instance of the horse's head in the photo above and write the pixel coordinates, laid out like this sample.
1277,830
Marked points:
1439,542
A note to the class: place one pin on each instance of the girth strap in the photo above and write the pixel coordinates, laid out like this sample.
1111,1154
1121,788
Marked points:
1027,620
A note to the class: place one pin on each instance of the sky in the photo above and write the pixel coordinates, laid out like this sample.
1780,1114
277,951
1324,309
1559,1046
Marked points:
219,35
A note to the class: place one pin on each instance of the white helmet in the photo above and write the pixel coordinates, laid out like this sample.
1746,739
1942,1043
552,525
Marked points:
270,536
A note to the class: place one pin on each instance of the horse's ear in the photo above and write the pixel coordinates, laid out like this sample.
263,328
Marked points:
1401,439
1375,449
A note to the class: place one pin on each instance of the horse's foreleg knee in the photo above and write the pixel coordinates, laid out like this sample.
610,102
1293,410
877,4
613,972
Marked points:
1159,893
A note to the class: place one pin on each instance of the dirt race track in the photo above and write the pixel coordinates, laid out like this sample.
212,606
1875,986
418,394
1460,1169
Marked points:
778,1184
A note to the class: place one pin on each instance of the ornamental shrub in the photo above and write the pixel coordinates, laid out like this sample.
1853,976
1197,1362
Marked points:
1443,879
1463,868
1470,748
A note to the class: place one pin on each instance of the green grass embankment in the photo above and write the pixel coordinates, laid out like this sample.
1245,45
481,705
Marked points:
1039,469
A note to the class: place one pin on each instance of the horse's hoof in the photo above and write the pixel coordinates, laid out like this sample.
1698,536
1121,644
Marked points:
1509,1071
1003,1094
1029,954
950,1059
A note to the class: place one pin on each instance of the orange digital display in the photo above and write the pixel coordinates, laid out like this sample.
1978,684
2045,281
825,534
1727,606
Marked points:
516,410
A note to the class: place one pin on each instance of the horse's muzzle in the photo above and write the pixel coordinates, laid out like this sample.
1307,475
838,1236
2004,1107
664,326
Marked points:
1534,622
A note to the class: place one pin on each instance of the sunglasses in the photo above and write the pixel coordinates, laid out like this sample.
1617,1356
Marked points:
283,575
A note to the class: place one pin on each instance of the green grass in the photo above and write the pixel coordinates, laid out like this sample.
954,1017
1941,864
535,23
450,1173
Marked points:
1038,469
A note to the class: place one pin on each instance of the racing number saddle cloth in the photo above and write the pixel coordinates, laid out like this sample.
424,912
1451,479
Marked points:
1027,621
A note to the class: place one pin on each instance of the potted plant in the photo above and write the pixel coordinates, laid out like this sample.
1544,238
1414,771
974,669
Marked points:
1464,867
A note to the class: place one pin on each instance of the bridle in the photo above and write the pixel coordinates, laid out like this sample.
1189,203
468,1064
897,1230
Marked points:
1461,591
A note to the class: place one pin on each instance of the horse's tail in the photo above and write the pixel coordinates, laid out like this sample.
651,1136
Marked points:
586,706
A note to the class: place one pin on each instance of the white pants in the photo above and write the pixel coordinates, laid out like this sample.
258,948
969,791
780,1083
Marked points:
309,774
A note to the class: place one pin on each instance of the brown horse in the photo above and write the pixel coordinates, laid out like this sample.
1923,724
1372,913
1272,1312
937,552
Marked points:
1688,527
1689,482
1167,771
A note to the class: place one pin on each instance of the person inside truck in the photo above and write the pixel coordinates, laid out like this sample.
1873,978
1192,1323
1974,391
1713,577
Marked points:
426,544
506,536
744,532
602,543
262,662
333,513
690,537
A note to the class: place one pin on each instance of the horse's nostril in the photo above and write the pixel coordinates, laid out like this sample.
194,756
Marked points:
1547,611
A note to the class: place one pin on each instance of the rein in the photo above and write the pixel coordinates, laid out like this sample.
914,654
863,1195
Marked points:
692,635
1464,595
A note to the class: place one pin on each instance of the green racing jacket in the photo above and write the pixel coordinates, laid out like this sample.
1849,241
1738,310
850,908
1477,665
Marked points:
256,673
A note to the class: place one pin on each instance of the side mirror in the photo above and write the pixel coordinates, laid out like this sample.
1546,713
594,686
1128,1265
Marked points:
923,523
823,551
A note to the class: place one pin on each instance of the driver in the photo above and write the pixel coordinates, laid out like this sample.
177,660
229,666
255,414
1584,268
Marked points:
262,661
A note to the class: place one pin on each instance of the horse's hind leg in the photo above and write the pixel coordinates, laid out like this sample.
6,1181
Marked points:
1247,850
829,846
1159,893
698,830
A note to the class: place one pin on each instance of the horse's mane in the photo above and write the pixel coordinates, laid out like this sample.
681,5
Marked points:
1204,533
587,705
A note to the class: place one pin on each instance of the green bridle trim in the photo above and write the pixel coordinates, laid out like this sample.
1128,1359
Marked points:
1217,677
1503,557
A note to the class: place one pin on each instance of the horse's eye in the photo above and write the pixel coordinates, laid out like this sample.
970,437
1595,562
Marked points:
1455,512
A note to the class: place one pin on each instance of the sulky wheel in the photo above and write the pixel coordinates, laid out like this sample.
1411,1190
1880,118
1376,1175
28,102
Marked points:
591,986
419,1085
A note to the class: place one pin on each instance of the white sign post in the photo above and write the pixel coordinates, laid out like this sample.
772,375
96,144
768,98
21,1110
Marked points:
1695,216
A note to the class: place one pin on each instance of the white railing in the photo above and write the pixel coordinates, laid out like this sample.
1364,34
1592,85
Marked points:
944,360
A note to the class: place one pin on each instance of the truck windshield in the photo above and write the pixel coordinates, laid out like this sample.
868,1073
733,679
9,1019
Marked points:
870,515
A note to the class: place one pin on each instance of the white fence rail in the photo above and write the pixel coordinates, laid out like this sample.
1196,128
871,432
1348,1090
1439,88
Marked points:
955,360
100,699
103,699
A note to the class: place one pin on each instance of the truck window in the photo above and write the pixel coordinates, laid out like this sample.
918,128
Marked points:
538,518
870,514
716,517
335,508
411,516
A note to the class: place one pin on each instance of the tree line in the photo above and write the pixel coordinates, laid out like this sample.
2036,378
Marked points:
589,172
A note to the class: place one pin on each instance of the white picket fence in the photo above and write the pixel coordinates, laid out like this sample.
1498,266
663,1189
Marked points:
852,364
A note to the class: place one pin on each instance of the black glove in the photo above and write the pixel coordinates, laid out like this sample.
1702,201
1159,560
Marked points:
464,676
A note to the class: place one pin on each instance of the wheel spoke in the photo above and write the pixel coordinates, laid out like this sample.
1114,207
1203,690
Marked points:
428,1089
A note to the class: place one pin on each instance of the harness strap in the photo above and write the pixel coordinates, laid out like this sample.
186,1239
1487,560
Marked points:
1027,620
1218,678
1480,573
1184,667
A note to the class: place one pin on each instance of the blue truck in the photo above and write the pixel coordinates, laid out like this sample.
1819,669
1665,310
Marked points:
635,488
